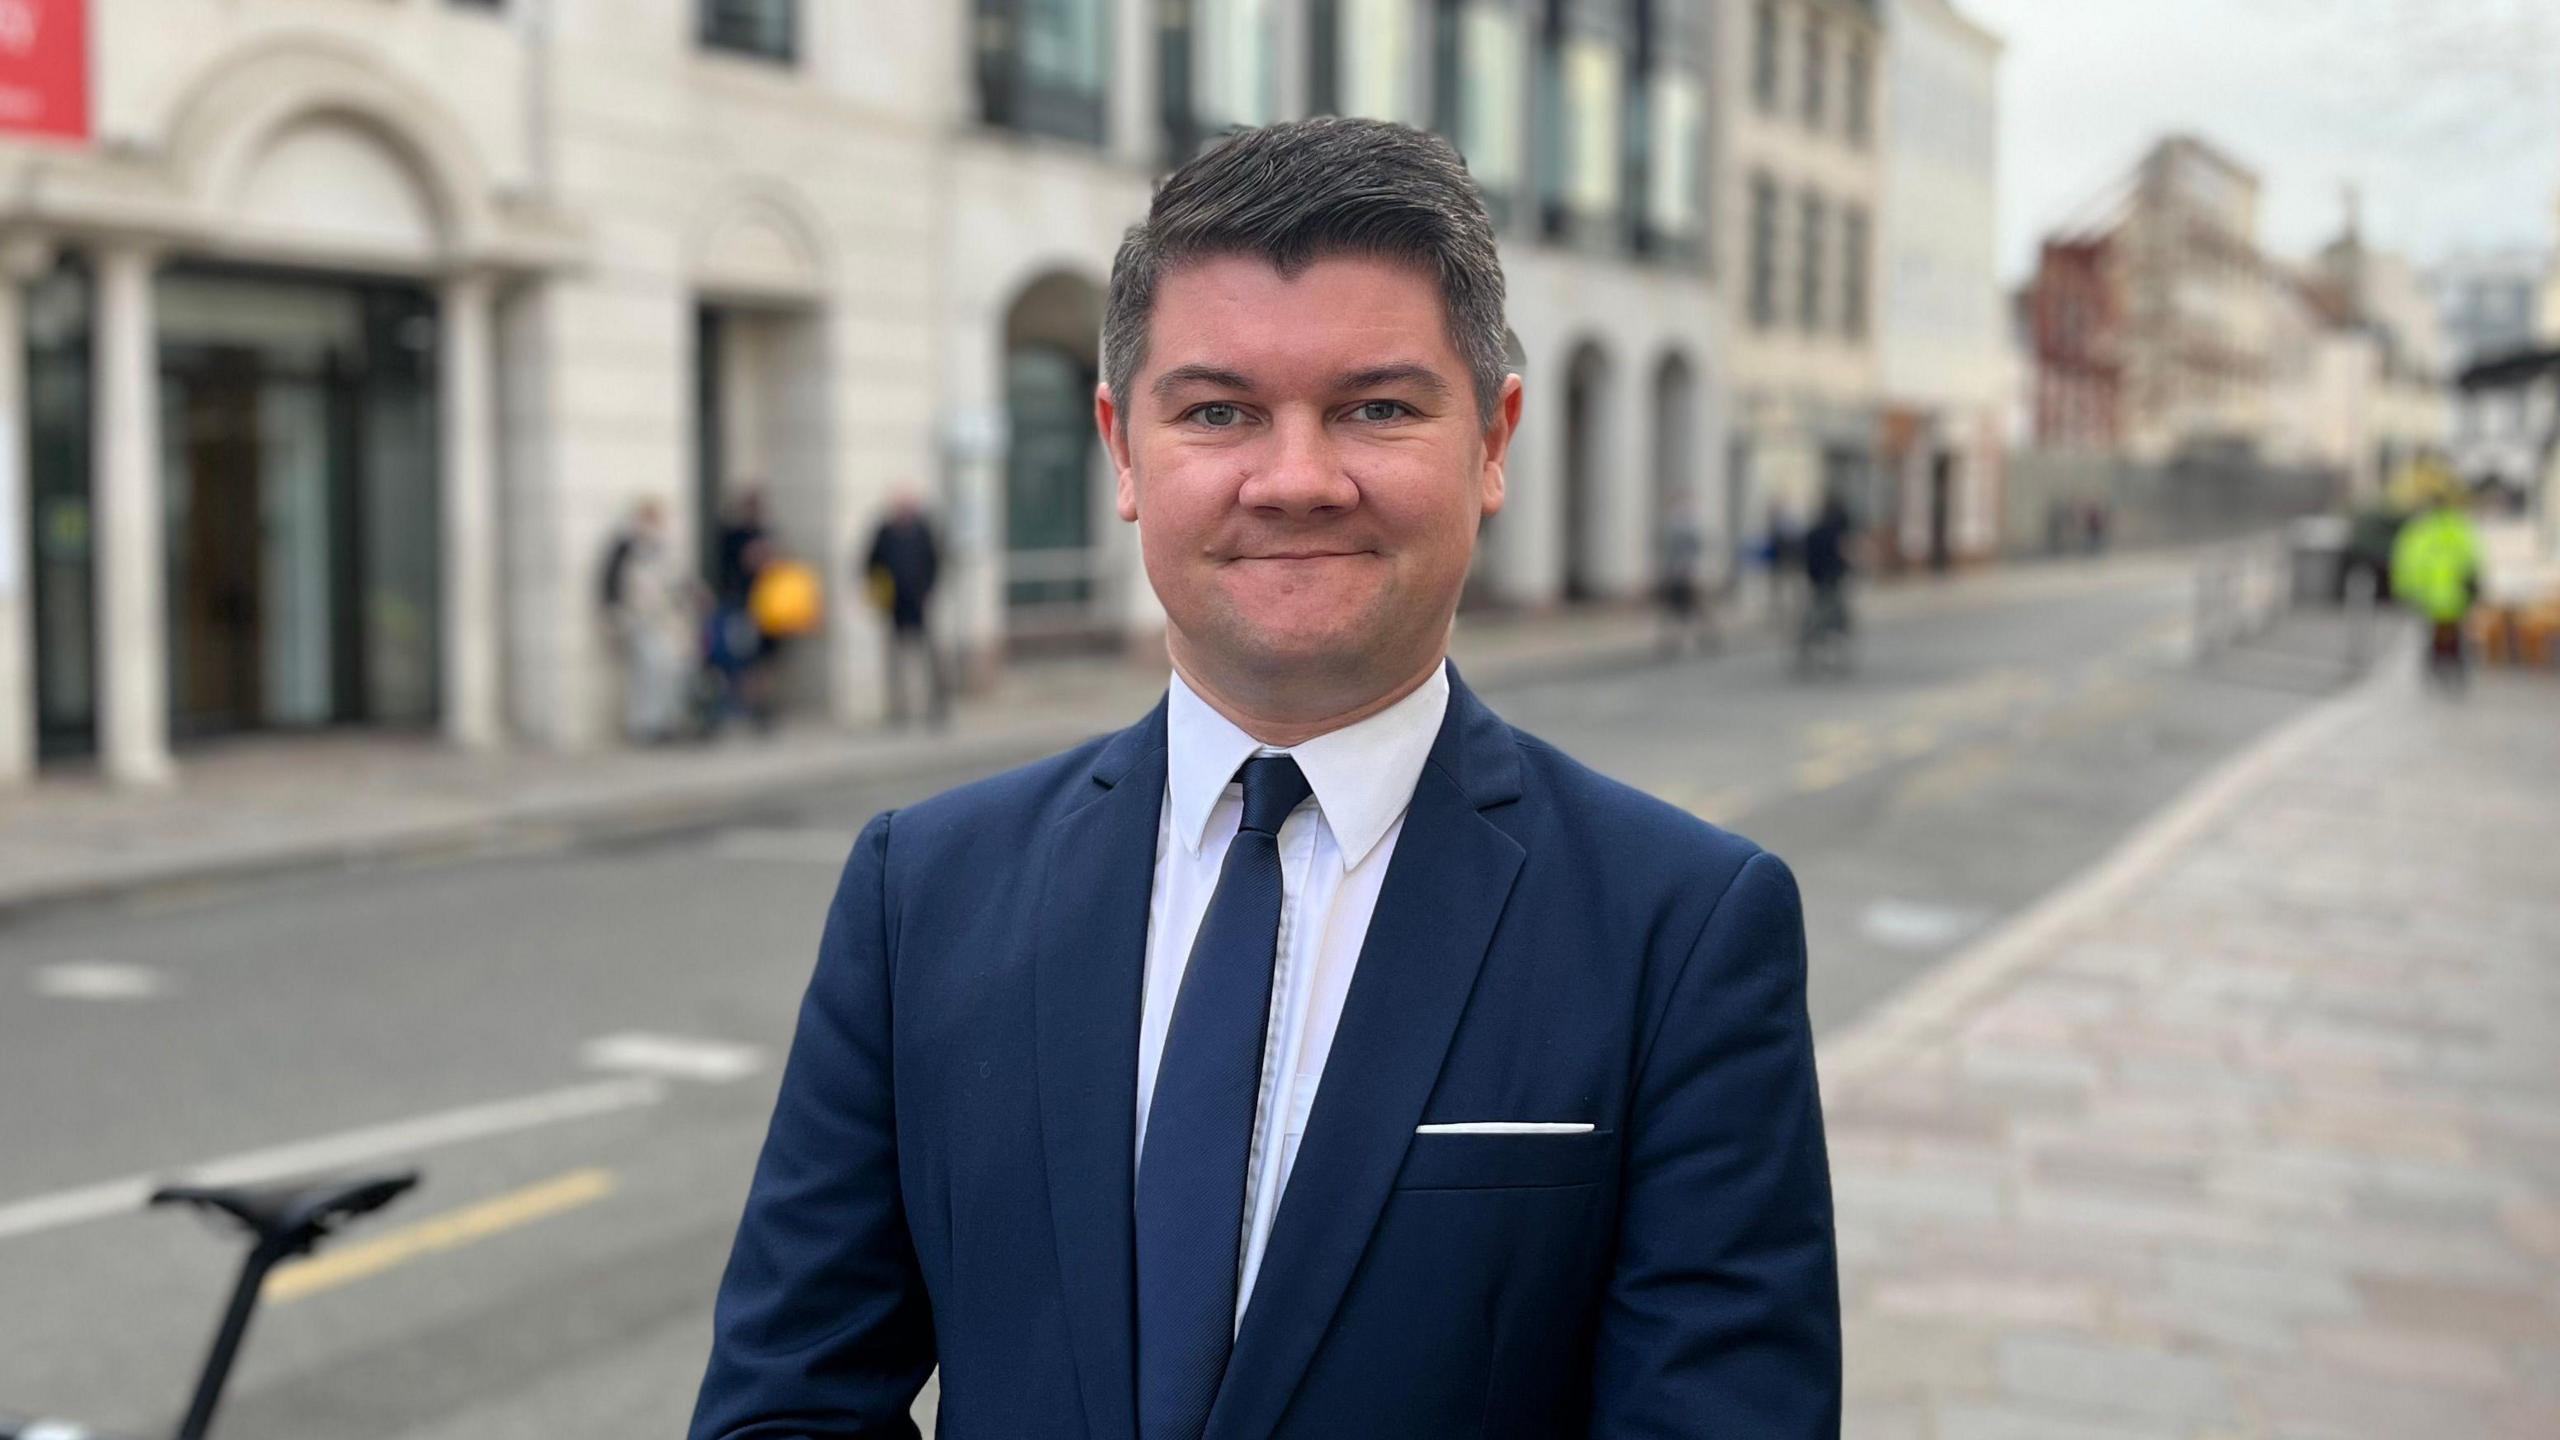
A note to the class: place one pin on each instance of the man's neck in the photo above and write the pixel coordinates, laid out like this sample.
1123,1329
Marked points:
1282,729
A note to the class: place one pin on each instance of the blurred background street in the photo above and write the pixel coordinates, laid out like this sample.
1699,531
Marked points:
2001,736
494,493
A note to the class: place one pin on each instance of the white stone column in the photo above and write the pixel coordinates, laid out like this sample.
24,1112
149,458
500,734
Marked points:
132,550
467,413
1134,125
17,546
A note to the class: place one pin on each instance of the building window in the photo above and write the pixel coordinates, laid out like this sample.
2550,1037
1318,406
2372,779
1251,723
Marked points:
767,29
1363,59
1478,76
1215,69
1764,252
60,318
1582,117
1232,47
1044,66
1237,41
1853,272
1764,55
1861,101
1673,111
1665,171
1809,241
1817,67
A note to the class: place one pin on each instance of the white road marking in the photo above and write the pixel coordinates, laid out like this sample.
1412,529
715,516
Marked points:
673,1056
98,980
767,845
373,1144
1918,925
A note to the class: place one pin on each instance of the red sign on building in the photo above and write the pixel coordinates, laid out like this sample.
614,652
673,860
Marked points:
44,67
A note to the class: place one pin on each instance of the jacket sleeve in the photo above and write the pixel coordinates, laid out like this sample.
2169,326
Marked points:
822,1328
1722,1315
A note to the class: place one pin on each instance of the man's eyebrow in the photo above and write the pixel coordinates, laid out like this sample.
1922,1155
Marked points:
1420,377
1210,375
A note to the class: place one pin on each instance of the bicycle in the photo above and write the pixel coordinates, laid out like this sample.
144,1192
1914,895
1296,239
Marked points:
283,1221
1825,637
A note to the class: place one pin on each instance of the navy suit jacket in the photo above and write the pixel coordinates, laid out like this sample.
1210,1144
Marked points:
948,1175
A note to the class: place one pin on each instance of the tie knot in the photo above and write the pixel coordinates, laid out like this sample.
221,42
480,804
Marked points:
1273,786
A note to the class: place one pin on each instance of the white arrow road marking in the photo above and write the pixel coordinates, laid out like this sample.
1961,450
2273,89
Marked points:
397,1140
673,1056
98,980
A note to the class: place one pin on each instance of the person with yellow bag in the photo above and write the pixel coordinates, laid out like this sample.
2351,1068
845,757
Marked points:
787,600
2435,567
766,599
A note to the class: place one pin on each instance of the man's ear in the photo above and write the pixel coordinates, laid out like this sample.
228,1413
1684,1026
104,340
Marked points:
1497,443
1115,441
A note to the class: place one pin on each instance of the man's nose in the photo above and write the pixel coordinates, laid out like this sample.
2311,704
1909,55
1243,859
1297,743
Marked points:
1301,475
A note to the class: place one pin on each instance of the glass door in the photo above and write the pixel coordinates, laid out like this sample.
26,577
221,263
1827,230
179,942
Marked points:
298,461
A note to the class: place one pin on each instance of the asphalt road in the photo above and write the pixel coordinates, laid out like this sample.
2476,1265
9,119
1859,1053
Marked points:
579,1045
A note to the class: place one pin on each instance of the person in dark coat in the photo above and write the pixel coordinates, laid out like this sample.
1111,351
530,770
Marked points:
741,659
903,563
1826,572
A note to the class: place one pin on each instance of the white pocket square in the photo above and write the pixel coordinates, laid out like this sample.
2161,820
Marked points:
1505,1127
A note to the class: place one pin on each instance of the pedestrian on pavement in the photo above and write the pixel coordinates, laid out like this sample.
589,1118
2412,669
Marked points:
1826,629
740,654
1687,622
649,603
900,569
745,544
1782,552
2435,570
1318,1056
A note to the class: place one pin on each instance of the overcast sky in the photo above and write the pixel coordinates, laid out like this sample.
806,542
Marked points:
2445,114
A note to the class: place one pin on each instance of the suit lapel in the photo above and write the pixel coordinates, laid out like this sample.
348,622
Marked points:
1445,889
1090,920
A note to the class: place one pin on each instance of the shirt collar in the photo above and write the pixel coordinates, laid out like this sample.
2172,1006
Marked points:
1363,774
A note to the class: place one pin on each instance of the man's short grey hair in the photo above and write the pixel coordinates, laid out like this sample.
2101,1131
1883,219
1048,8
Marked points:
1299,192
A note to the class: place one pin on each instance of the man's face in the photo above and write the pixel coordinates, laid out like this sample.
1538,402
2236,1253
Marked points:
1307,467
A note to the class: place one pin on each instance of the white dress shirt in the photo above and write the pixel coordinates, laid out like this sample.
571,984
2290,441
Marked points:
1334,850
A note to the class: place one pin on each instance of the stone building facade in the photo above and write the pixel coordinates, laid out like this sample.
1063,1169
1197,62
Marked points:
340,334
1946,359
1800,184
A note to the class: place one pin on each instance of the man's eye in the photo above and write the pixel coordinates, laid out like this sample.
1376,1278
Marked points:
1216,417
1383,410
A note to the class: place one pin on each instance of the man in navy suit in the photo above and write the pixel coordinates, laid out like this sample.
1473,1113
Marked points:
1319,1056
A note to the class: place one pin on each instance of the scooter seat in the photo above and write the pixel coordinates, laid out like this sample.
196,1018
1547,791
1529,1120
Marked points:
293,1213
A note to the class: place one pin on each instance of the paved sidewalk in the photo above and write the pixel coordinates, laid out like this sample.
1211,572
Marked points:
2254,1131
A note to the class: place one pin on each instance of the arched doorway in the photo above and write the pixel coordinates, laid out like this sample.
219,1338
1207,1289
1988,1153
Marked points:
1585,469
1053,553
1676,490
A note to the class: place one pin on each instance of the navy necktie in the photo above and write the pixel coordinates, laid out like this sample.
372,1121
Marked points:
1191,1178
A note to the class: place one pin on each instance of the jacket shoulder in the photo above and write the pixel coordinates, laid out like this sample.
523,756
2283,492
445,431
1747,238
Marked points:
1641,836
1002,807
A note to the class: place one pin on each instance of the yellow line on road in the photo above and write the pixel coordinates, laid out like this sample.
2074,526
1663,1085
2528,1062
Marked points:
445,1232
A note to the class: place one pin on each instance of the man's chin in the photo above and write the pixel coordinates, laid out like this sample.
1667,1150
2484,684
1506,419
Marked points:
1312,651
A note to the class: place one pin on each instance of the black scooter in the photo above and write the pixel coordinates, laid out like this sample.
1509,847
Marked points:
282,1221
